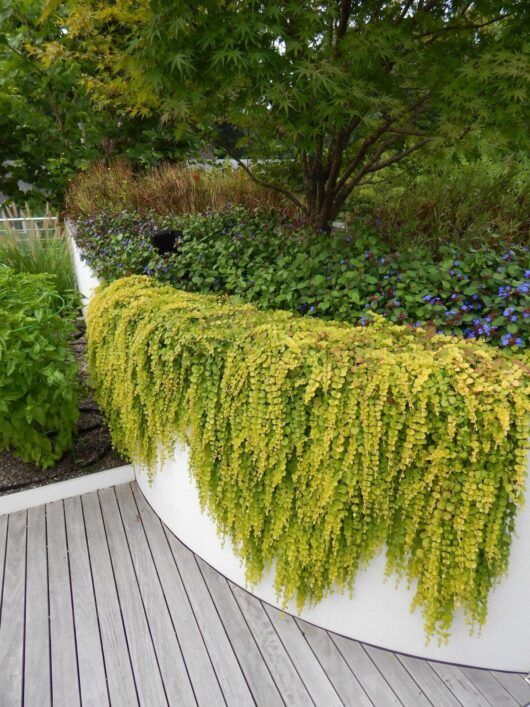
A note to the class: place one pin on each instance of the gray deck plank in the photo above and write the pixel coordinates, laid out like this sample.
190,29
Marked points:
430,682
144,660
399,679
12,617
101,603
37,685
65,678
92,678
313,676
516,685
286,677
374,684
120,676
460,685
199,664
168,649
338,671
220,651
487,684
254,667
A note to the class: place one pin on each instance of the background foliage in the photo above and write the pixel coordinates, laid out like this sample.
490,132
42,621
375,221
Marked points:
37,247
469,204
315,443
38,370
50,126
263,257
166,189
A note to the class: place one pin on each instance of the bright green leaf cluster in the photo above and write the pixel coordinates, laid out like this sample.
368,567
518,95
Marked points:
315,443
38,369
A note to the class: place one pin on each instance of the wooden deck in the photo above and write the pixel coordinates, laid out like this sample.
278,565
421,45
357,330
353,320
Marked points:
101,604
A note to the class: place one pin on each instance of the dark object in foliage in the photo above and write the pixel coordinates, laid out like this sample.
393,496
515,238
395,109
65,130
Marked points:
165,241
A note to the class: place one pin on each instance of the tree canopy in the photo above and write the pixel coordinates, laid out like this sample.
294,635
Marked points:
327,94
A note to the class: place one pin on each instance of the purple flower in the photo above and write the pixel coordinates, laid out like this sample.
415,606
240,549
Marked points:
524,287
511,340
508,311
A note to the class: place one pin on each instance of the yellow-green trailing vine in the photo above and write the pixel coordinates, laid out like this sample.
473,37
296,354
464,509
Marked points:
315,444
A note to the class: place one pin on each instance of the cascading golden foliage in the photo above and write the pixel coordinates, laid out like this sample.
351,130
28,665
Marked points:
314,444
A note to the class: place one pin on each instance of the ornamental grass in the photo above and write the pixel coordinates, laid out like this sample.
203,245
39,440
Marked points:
315,445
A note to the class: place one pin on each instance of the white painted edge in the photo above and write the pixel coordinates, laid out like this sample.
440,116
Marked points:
20,501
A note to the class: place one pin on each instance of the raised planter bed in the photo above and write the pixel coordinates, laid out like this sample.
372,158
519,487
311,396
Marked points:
379,611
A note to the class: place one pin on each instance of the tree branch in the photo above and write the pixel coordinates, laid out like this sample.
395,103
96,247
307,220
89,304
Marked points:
268,185
456,28
374,166
342,26
372,139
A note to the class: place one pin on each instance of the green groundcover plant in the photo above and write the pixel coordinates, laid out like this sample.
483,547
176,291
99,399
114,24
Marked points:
38,369
268,259
314,444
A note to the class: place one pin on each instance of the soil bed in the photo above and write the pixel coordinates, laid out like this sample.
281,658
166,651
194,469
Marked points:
92,449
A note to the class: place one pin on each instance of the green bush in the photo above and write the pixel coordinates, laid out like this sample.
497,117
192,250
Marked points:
263,258
38,369
486,201
315,443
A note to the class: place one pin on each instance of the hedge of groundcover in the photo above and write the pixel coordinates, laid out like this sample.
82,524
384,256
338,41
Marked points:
315,443
262,258
38,369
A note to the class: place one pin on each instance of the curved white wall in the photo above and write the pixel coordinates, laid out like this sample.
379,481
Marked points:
86,280
379,611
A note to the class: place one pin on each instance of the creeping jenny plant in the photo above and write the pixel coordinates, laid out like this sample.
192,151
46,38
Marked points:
315,444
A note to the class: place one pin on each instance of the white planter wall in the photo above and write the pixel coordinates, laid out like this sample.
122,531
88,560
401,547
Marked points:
86,280
379,611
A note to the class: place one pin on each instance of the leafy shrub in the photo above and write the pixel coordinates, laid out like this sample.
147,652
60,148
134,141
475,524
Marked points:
315,443
38,370
36,247
166,189
263,258
470,204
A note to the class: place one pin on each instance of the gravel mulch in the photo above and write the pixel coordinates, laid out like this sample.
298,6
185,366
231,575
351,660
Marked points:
92,449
